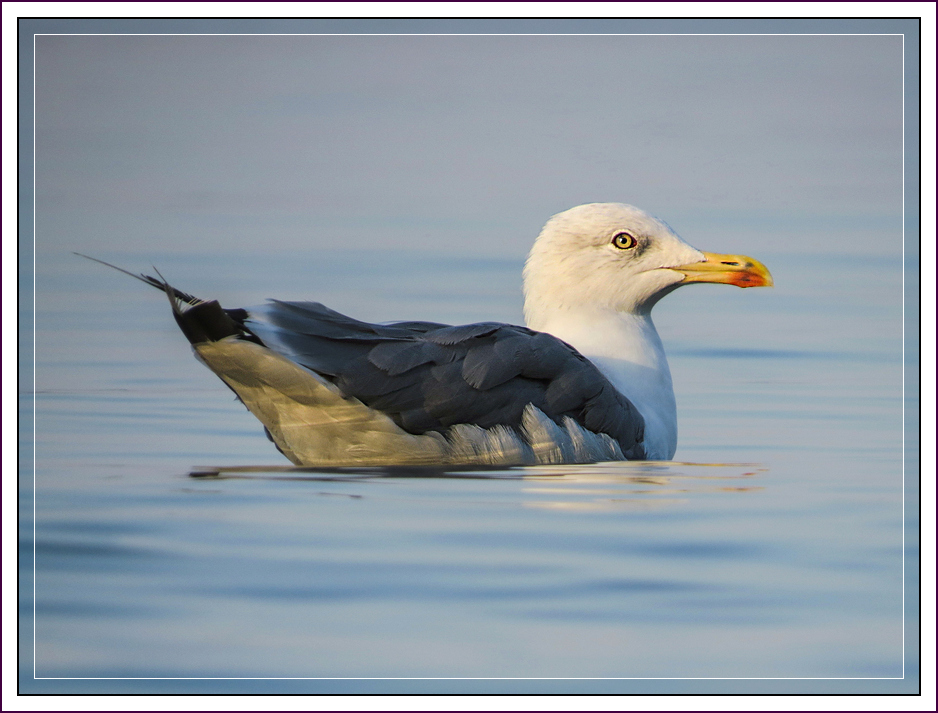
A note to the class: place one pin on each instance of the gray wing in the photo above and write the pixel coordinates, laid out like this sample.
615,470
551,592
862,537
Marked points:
428,376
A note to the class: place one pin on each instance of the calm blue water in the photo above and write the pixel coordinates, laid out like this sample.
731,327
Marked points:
772,557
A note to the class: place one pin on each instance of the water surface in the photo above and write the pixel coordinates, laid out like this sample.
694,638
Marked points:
174,551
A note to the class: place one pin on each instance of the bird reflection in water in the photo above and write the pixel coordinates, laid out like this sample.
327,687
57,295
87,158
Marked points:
598,486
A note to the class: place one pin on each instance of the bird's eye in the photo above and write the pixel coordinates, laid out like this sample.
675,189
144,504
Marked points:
624,241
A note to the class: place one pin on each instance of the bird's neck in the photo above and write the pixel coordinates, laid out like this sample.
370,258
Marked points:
627,350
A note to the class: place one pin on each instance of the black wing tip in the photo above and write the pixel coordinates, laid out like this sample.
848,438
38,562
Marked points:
208,322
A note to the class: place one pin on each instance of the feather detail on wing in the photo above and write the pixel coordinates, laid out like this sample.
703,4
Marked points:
428,377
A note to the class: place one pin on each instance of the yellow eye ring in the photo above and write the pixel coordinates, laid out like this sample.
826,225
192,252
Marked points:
624,241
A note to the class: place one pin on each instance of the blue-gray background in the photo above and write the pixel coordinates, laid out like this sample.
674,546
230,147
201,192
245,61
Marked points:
402,177
463,143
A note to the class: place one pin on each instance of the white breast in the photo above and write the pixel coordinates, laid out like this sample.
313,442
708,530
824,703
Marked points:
627,350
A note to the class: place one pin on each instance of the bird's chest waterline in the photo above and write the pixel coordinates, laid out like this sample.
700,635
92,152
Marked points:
651,392
628,351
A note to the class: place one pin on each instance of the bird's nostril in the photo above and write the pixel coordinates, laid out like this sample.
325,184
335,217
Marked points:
730,263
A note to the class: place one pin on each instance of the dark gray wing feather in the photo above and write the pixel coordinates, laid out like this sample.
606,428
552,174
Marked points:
428,376
399,357
454,335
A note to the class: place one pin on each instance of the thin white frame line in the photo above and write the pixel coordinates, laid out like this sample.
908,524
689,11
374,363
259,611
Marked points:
467,34
437,34
462,678
902,297
35,332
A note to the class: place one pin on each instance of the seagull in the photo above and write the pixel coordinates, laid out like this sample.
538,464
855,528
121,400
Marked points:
585,380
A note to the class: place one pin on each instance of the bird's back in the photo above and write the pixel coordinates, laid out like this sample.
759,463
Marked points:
429,377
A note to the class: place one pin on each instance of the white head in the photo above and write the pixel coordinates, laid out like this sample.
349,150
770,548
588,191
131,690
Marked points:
612,256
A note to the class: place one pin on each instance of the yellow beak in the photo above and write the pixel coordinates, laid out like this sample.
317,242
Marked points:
736,270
